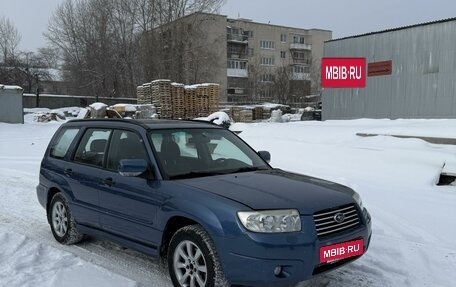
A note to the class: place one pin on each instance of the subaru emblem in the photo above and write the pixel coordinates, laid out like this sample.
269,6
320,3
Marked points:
339,217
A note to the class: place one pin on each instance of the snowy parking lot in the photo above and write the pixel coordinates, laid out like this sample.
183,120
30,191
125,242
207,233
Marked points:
414,230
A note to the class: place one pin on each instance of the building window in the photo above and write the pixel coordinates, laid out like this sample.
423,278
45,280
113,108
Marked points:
251,51
298,39
283,54
248,34
267,45
267,78
265,94
267,61
301,57
283,38
301,69
237,65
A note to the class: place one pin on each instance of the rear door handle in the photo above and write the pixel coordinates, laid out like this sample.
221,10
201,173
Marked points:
108,181
68,171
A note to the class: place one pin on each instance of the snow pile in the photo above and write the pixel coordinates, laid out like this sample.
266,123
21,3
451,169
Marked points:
276,116
218,118
291,117
24,262
98,106
124,107
46,115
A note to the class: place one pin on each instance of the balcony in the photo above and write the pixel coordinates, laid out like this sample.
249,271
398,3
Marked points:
300,61
237,38
301,76
299,46
237,55
238,73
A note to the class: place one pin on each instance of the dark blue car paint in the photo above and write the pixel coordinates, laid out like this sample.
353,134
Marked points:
135,211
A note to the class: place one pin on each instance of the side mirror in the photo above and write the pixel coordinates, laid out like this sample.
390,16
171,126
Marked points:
132,167
265,155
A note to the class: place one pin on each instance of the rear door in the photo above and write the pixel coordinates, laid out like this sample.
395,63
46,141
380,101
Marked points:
129,204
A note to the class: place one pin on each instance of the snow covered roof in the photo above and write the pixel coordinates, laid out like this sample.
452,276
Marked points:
160,81
6,87
394,29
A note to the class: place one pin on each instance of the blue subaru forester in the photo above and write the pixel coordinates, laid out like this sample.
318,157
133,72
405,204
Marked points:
196,194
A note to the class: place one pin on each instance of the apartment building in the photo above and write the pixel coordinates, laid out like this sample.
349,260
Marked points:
256,62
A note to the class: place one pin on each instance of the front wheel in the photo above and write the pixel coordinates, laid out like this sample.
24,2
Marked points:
193,260
62,222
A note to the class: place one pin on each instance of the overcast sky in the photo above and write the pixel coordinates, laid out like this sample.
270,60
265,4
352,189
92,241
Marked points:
343,17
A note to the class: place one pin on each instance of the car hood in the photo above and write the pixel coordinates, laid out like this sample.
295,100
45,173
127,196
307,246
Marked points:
275,189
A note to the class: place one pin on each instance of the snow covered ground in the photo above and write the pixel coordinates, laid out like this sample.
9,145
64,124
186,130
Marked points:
414,240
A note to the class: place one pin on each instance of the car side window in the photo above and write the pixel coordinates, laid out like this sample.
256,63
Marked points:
125,145
91,149
63,142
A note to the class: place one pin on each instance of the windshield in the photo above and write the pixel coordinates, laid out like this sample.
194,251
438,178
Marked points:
186,153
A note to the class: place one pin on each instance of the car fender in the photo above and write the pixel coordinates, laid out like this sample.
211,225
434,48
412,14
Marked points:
57,181
217,215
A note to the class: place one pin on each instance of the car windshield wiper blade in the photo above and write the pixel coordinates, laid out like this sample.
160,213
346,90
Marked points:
247,169
194,174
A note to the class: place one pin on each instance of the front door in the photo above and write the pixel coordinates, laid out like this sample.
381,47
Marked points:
129,204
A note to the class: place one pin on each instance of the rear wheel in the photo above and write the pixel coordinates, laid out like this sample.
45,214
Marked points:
193,260
62,222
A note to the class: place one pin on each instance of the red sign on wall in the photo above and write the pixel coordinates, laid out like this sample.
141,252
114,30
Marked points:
343,72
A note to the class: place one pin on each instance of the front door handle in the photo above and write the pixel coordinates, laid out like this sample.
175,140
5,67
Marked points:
108,181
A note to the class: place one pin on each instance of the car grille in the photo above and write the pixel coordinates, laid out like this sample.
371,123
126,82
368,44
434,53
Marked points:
326,223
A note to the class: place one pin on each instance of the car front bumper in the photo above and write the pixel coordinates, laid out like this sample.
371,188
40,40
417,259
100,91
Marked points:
253,258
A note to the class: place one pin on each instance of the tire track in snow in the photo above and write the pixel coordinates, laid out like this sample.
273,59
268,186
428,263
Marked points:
29,219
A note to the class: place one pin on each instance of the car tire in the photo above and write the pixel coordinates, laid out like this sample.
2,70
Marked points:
62,222
192,257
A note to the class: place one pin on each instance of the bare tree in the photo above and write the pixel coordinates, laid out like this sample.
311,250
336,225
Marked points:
107,46
281,78
9,40
315,75
178,49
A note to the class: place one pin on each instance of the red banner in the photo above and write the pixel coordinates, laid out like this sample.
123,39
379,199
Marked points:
343,72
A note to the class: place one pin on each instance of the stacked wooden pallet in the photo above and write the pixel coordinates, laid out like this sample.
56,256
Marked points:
235,113
144,94
202,101
178,100
257,113
266,113
190,101
246,116
214,97
161,98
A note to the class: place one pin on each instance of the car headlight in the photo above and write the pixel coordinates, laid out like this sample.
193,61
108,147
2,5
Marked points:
358,199
271,221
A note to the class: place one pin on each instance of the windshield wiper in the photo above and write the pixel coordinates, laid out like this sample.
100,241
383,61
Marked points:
247,169
194,174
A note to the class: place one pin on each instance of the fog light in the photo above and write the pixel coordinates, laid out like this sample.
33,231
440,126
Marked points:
277,270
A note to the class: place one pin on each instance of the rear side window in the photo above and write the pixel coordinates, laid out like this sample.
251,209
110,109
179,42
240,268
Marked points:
91,150
63,142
